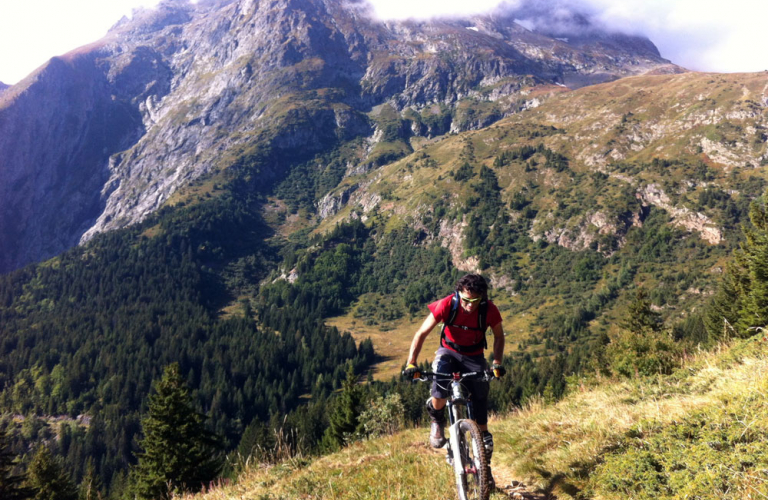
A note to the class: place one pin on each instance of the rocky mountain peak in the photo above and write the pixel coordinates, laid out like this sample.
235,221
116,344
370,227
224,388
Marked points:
103,136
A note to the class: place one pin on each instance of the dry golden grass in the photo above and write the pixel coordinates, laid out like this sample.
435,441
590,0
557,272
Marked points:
391,345
395,467
153,231
554,447
551,448
398,467
233,309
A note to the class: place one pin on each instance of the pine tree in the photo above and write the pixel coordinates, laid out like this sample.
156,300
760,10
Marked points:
344,421
47,477
640,317
740,305
641,347
754,304
11,485
256,439
179,453
90,486
722,312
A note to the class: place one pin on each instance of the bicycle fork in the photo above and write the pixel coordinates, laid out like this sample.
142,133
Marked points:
454,418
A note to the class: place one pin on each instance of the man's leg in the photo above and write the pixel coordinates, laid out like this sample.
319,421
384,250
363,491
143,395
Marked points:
435,408
443,363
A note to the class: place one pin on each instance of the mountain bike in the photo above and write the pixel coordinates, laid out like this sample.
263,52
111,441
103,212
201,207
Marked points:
465,449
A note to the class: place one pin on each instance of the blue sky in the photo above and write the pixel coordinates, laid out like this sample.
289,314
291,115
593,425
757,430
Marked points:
702,35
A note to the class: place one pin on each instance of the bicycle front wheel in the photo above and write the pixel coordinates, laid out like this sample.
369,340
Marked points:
470,463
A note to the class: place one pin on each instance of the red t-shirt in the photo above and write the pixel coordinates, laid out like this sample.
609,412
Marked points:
441,310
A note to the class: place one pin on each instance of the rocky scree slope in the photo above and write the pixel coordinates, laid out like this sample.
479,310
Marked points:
101,137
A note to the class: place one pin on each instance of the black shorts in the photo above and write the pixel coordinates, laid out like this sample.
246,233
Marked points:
448,361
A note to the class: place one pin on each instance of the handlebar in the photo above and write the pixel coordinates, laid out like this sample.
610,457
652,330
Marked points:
484,376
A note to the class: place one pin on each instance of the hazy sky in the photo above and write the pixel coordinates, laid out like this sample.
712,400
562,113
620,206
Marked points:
705,35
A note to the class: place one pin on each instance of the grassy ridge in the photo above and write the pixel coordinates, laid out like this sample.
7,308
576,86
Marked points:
587,445
698,433
401,466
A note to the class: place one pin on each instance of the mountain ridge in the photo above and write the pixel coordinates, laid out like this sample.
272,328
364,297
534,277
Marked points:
633,119
195,85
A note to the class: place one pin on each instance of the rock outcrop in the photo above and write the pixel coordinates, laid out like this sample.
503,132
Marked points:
681,216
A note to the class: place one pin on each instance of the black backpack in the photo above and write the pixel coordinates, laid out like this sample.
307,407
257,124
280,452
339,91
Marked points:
482,313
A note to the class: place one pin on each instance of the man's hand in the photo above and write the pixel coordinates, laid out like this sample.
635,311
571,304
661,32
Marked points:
411,372
498,370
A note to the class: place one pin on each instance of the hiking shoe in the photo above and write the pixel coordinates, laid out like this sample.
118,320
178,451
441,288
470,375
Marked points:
437,431
437,435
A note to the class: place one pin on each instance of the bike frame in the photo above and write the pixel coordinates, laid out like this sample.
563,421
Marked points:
456,400
457,397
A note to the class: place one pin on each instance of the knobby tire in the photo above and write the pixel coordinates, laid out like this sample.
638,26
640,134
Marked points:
470,463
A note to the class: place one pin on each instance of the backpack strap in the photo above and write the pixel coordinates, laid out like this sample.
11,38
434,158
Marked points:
482,315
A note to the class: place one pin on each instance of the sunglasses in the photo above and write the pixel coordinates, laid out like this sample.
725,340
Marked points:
468,300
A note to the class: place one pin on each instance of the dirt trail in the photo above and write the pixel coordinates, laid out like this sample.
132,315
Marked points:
506,484
515,489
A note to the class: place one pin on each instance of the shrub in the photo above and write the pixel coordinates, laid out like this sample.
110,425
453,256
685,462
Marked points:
385,416
643,353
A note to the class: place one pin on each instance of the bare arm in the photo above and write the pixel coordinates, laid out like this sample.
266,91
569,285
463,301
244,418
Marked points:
418,339
498,343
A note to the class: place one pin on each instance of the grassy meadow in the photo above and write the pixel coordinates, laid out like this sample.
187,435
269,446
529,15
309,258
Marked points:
701,433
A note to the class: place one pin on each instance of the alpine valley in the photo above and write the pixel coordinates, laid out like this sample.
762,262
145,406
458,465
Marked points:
268,193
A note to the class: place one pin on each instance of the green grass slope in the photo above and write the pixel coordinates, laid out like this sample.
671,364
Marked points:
698,433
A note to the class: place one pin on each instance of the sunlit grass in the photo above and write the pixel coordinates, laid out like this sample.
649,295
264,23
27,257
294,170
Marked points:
555,448
396,467
552,448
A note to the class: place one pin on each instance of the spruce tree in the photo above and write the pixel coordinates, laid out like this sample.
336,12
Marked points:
90,486
47,477
255,441
11,485
179,454
722,313
740,305
641,347
640,317
754,304
344,421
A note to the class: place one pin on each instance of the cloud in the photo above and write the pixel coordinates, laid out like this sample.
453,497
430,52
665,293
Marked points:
426,9
704,35
33,31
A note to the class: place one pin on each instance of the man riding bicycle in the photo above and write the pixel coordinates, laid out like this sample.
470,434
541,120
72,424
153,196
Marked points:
465,315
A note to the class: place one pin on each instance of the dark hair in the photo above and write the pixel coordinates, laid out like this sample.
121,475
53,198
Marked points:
473,283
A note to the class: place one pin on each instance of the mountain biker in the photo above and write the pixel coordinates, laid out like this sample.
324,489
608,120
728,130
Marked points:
462,344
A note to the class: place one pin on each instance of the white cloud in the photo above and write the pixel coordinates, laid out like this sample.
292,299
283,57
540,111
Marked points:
425,9
33,31
705,35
